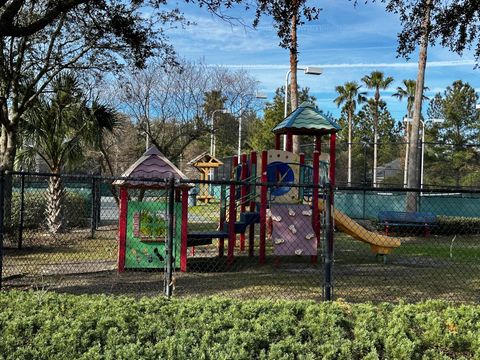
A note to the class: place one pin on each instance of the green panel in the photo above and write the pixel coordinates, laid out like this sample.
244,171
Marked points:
147,227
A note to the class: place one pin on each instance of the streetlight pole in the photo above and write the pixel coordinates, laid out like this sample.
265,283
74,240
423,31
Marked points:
240,119
212,130
309,70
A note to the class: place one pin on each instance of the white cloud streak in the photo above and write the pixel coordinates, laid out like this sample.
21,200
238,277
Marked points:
431,64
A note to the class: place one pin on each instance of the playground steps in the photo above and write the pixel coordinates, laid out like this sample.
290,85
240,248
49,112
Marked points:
204,238
246,219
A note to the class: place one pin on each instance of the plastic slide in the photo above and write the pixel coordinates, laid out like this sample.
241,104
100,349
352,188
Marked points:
380,244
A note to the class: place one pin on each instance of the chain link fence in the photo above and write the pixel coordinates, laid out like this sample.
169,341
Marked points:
67,236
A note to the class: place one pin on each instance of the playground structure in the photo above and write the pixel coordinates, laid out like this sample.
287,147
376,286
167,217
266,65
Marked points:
205,163
278,191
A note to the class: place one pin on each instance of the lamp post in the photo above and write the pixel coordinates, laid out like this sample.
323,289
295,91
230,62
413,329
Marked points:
212,133
309,70
257,95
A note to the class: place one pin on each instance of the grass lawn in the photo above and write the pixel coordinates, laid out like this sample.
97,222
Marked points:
463,249
420,268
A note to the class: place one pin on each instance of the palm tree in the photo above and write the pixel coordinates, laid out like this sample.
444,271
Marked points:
349,95
377,81
408,92
57,126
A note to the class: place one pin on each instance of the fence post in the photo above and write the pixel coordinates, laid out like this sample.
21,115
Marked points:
328,247
169,245
93,215
22,210
2,198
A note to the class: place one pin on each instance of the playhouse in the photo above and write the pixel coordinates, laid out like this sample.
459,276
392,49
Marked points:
276,190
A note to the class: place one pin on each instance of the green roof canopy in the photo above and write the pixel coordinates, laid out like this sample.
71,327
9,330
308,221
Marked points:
306,120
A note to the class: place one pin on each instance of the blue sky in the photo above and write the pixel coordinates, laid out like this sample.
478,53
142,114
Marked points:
347,42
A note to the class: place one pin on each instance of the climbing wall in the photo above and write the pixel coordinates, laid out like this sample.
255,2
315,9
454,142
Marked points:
291,230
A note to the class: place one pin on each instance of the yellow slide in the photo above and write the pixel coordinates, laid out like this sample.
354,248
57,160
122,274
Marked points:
380,244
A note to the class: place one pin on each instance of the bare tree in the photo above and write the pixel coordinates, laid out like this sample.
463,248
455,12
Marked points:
167,104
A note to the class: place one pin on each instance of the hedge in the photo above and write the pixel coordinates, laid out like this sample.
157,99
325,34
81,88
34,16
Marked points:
43,325
76,209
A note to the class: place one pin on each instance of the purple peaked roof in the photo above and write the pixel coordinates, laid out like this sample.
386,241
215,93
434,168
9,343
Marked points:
151,165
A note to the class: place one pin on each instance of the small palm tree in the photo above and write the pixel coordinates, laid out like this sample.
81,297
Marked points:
57,126
349,96
376,81
408,92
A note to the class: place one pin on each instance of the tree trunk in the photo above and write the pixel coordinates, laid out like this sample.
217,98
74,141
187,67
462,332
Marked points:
293,75
375,137
349,175
7,159
55,216
413,170
407,151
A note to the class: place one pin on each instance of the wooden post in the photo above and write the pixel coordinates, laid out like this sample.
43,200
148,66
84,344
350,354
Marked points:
315,198
183,247
252,193
122,229
263,208
232,215
243,195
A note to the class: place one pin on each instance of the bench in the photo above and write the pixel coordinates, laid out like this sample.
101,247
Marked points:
408,219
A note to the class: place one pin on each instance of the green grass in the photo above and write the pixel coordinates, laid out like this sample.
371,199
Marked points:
464,249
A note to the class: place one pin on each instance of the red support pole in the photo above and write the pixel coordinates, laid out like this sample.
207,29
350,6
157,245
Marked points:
122,229
251,230
263,207
289,146
232,214
277,141
243,195
318,143
183,244
315,199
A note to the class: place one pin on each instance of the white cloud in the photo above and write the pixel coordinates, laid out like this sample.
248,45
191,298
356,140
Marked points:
432,64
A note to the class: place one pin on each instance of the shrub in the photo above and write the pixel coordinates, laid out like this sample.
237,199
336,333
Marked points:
42,325
457,225
76,209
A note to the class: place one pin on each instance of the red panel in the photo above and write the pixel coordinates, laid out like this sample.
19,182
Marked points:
183,245
122,229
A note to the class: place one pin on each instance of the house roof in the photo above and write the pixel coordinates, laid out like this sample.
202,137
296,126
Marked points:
306,120
151,165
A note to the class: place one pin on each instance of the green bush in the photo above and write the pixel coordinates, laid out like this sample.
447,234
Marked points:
457,225
76,209
42,325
